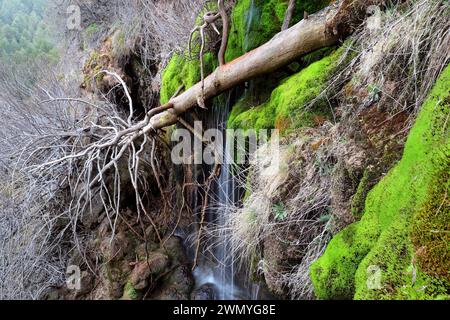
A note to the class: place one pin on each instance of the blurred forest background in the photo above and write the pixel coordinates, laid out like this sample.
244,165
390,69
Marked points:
24,33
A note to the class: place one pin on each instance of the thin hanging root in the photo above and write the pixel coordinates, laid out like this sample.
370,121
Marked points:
210,19
157,177
225,31
288,16
214,174
202,62
197,134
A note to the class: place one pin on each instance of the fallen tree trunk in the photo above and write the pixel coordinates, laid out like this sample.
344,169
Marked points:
317,31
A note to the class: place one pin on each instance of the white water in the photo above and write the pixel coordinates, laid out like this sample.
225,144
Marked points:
218,267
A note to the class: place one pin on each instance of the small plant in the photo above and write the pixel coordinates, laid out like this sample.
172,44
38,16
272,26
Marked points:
374,91
279,211
91,30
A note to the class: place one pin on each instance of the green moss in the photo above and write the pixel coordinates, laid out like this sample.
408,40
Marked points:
284,110
431,227
254,22
336,280
358,200
182,71
382,238
129,292
91,30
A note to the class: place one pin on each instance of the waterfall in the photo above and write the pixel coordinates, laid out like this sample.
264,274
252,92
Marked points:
250,20
218,266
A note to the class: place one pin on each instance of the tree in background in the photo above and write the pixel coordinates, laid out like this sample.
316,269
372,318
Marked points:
24,35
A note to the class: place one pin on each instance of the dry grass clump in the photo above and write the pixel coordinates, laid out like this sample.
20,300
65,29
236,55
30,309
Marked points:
159,28
287,206
400,53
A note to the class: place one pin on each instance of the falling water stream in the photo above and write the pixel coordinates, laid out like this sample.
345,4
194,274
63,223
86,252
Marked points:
217,266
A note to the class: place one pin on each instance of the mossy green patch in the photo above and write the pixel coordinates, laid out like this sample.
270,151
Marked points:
382,240
358,200
183,71
254,22
129,292
431,227
285,108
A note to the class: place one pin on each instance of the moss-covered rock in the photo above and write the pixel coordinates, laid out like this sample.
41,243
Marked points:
285,108
431,228
386,239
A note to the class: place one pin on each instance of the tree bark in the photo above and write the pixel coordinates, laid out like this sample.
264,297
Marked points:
318,31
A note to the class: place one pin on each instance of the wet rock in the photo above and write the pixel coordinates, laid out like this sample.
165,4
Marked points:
171,293
205,292
182,279
86,284
113,277
92,213
156,264
116,249
177,286
146,248
115,290
139,275
176,251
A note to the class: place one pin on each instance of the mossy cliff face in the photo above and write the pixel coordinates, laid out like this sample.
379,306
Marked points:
183,71
286,106
254,22
400,247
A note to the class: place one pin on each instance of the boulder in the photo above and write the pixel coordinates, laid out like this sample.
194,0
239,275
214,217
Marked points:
157,262
205,292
